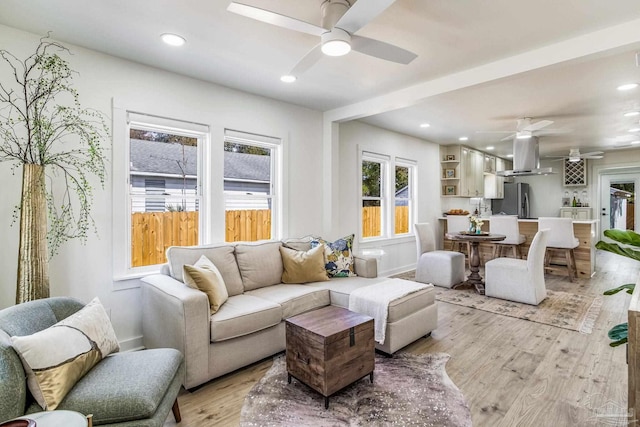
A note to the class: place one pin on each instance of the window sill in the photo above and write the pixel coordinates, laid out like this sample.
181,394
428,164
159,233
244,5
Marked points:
386,241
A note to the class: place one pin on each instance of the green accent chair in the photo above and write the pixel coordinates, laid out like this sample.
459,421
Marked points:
126,389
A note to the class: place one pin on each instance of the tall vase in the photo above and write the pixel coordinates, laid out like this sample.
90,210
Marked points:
33,257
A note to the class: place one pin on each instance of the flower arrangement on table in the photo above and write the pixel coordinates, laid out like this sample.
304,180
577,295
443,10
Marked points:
476,224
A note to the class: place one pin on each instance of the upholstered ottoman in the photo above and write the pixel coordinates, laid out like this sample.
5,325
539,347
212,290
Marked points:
441,268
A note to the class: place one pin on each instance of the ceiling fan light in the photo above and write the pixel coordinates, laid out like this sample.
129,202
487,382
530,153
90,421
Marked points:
523,134
336,42
574,155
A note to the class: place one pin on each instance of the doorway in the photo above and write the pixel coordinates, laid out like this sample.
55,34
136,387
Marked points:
618,194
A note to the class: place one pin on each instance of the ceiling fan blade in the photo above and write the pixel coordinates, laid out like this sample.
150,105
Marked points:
591,157
506,138
559,160
275,19
382,50
593,153
307,61
361,13
538,125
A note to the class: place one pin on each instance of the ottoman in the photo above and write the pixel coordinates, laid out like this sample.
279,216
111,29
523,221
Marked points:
441,268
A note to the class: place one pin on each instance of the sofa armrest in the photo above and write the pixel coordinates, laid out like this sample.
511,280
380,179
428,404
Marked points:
366,266
177,316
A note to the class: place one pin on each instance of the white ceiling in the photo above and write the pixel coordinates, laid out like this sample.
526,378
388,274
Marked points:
448,36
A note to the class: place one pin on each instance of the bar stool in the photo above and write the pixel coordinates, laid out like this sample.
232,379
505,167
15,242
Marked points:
456,224
561,237
507,225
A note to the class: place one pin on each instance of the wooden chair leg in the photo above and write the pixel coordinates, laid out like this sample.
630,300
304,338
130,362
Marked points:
515,251
573,262
495,250
176,411
518,254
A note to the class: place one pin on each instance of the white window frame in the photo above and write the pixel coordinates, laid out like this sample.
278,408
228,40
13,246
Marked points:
124,120
384,161
277,164
411,165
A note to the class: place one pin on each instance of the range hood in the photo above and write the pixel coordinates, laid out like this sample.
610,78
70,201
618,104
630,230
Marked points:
526,159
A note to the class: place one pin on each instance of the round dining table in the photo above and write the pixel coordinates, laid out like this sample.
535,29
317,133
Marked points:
475,239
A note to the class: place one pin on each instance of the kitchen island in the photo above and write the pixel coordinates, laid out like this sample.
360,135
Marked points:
585,230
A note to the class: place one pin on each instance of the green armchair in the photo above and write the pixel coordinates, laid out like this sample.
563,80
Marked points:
126,389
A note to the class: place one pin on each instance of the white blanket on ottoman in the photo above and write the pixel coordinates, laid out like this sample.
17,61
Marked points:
373,300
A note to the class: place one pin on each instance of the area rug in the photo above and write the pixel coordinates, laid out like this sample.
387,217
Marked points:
407,390
565,310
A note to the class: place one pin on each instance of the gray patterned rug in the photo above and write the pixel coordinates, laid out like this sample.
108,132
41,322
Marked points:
407,390
576,312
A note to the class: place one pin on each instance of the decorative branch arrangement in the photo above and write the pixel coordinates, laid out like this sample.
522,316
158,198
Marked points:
44,129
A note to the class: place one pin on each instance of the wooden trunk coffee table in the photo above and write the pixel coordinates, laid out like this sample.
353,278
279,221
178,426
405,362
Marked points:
330,348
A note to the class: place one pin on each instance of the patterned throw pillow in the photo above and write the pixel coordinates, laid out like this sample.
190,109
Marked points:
59,356
338,256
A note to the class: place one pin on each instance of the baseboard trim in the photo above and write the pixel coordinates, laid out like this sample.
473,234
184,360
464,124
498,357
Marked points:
397,270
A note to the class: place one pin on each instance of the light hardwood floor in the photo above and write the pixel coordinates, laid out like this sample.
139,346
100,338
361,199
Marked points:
513,372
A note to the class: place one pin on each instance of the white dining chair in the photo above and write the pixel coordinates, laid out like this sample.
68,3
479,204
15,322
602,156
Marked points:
508,226
517,279
455,224
561,238
441,268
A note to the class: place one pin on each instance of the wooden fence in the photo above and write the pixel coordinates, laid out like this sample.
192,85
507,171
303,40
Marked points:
153,232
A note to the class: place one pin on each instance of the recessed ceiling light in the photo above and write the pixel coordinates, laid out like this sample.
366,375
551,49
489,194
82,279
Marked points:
509,155
288,78
173,39
632,114
628,86
491,147
463,138
634,130
635,142
425,125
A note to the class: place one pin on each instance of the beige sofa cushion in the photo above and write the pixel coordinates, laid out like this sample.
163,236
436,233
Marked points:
294,299
341,288
299,243
260,264
242,315
204,275
221,255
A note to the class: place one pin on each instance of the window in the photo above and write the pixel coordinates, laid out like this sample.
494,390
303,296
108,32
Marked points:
251,194
374,169
403,213
387,213
165,188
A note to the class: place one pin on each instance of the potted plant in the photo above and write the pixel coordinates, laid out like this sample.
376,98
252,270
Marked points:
629,240
44,130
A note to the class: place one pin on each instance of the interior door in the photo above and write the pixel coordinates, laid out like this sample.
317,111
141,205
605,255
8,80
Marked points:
617,202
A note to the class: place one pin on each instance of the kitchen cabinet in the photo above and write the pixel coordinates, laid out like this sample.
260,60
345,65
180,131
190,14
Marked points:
490,163
581,214
472,166
494,184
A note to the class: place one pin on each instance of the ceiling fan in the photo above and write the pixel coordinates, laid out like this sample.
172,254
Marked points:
575,156
525,129
340,20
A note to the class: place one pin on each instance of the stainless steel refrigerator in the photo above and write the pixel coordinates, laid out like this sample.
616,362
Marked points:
515,202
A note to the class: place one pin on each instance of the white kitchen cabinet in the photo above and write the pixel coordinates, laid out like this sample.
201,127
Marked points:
580,214
494,184
489,163
472,164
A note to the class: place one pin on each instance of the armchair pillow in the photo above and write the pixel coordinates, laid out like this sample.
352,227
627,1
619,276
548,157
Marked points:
303,266
57,357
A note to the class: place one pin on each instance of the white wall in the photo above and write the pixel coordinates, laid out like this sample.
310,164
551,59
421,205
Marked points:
399,253
86,271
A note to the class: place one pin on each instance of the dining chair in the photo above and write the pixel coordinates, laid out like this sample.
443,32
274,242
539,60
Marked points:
455,224
441,268
517,279
561,238
508,226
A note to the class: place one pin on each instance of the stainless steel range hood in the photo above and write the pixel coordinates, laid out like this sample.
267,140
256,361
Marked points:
526,159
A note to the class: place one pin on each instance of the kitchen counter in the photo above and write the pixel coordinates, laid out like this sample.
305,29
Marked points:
585,230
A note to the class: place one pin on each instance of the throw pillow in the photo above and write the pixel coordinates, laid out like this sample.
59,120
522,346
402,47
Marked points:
205,276
303,267
56,358
338,256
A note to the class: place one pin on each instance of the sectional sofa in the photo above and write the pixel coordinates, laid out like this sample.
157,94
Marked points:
250,325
